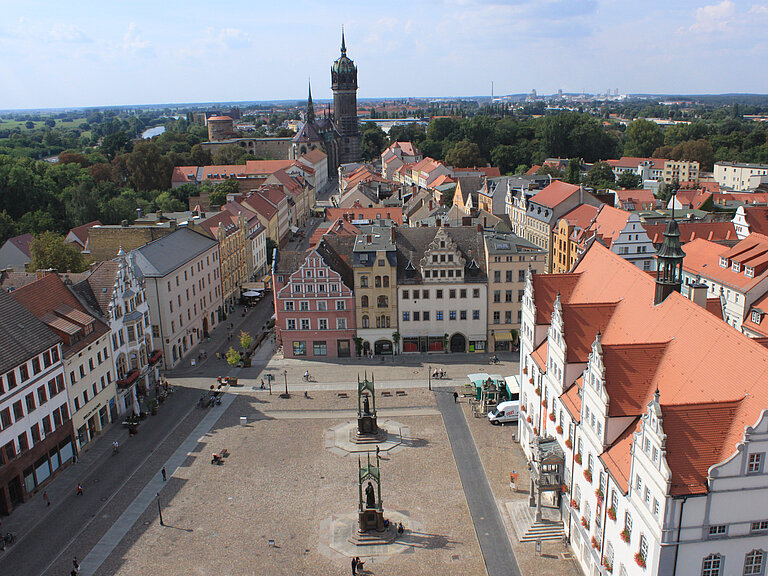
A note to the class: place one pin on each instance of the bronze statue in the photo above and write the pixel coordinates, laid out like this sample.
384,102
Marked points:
366,406
370,497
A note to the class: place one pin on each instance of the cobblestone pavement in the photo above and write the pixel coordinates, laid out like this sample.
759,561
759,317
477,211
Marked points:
280,484
501,455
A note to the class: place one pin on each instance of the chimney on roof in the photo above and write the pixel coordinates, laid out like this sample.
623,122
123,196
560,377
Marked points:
42,273
392,231
368,239
697,293
430,204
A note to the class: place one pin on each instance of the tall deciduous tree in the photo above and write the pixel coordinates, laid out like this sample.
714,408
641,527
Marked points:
642,138
49,250
464,154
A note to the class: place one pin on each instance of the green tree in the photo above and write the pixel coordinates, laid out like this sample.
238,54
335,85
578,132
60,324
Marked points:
245,340
372,142
166,202
233,357
600,176
230,155
700,151
116,144
271,246
629,180
548,170
447,197
8,227
642,137
464,154
573,172
147,168
218,196
49,250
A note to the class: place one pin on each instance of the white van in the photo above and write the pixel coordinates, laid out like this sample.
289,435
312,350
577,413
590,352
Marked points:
505,412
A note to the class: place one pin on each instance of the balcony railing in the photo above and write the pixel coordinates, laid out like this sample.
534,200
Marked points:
129,379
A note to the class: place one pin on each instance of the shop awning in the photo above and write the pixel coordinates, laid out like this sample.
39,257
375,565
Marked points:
252,294
502,336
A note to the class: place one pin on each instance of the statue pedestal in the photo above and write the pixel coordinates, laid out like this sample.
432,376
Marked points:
371,531
368,431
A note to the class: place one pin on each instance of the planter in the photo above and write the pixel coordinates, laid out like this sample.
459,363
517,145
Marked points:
559,430
538,389
608,566
588,475
574,505
530,380
625,535
578,458
564,489
595,544
569,444
535,431
544,402
552,417
525,370
640,559
523,408
585,522
528,419
611,513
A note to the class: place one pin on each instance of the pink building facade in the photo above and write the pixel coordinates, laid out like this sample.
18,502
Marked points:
314,307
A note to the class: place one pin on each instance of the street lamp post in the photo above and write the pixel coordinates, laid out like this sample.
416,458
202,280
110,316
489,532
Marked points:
285,375
159,509
429,377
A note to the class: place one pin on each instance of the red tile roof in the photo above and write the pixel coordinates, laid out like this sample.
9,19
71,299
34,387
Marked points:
533,170
633,162
630,375
640,199
81,232
557,192
607,225
266,166
712,231
23,243
702,257
359,213
540,356
184,174
618,459
757,218
715,307
581,216
571,399
706,366
692,198
582,322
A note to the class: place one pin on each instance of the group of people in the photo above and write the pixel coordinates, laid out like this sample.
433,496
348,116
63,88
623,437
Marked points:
439,373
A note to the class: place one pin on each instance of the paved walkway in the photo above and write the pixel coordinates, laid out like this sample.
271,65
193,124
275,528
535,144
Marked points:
491,534
101,551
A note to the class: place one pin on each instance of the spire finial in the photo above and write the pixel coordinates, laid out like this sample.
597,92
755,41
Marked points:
310,105
343,43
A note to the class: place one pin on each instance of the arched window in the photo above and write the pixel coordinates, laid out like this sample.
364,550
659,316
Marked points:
377,282
365,322
711,565
386,281
382,302
754,563
364,301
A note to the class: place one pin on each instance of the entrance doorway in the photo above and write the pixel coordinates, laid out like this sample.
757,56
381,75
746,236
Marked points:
205,327
458,343
383,347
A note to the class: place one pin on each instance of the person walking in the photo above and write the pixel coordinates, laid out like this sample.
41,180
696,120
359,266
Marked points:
455,397
76,564
354,565
79,489
163,472
46,499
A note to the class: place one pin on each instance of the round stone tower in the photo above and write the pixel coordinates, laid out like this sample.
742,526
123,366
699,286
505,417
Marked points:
344,85
220,128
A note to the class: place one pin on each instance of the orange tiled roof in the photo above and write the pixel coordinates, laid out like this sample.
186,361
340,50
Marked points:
315,156
533,170
702,257
557,192
540,356
705,362
266,166
581,216
607,225
184,174
712,231
571,399
634,162
582,322
617,459
81,232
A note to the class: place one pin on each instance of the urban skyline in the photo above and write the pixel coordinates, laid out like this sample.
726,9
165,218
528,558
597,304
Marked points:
95,55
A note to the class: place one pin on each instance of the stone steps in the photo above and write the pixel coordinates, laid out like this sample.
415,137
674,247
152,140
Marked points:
544,531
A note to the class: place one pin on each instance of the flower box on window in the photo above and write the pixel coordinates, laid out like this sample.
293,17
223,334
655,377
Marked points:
599,494
544,402
564,488
577,458
574,504
608,565
525,370
588,475
552,416
528,419
535,431
640,559
559,429
568,443
625,535
538,389
530,380
611,513
595,544
585,522
523,408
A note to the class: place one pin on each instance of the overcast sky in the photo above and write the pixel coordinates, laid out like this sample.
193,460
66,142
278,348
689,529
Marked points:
115,52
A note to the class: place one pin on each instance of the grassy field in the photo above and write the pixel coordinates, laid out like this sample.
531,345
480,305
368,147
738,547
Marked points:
11,124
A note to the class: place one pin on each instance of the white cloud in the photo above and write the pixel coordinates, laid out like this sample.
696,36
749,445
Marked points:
760,9
132,42
233,39
714,18
69,34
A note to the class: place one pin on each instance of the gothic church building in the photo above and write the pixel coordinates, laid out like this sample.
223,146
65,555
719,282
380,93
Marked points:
338,134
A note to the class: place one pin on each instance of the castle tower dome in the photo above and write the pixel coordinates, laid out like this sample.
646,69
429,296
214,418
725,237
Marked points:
344,86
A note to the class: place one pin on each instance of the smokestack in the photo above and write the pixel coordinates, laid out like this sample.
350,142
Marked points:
697,293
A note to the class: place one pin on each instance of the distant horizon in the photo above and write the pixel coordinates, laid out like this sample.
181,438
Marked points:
92,54
233,103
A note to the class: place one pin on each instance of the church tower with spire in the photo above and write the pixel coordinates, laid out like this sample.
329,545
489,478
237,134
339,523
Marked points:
344,86
669,261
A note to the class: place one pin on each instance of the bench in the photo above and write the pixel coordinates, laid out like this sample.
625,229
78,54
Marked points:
386,394
343,395
401,393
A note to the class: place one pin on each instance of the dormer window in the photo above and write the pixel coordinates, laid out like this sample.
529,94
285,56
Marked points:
735,266
723,262
749,272
756,316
